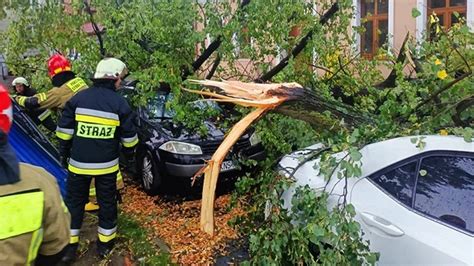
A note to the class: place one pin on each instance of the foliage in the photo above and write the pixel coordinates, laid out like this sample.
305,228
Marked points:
142,250
159,39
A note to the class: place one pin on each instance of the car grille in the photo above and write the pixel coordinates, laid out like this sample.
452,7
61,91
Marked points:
211,147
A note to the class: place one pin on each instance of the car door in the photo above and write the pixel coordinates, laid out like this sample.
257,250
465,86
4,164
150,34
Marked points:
405,235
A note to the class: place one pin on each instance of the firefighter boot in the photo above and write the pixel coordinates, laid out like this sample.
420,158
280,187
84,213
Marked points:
70,254
91,206
104,248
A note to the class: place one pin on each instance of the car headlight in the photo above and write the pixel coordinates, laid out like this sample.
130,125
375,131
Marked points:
181,148
254,139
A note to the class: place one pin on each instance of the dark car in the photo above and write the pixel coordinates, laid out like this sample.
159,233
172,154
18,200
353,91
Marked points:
168,154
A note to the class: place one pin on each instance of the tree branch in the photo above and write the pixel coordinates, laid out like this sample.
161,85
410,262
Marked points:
217,61
461,107
390,81
442,89
298,48
96,28
213,46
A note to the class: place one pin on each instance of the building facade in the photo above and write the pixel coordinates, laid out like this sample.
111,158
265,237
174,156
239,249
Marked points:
390,20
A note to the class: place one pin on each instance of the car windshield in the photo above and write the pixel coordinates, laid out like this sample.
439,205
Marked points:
157,108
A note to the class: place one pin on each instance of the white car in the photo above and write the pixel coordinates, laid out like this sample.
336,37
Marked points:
414,204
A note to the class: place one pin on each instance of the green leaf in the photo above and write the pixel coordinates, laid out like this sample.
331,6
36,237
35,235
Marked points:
467,135
356,155
415,12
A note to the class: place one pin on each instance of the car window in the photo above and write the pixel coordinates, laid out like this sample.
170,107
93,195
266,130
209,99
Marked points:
445,190
398,182
156,106
127,94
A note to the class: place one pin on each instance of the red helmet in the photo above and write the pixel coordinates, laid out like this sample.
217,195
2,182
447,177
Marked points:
57,64
6,115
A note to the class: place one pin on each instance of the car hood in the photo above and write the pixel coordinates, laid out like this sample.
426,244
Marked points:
302,167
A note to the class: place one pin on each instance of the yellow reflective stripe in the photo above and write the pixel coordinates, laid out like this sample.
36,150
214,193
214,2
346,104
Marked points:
44,115
119,175
21,213
65,209
63,136
95,131
104,238
74,240
36,240
101,171
41,97
92,191
97,120
76,84
21,100
130,144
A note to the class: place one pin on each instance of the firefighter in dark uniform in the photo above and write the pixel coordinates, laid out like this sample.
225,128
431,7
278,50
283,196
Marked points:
22,88
34,222
94,123
65,85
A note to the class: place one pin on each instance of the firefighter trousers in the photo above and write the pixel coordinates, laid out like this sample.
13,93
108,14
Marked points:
77,195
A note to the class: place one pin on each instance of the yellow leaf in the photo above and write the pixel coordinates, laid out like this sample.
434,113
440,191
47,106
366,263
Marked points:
438,62
442,74
443,132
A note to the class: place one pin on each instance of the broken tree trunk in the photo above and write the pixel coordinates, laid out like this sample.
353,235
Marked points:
287,98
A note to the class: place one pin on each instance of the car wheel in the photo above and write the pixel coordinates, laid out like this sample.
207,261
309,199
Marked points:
149,175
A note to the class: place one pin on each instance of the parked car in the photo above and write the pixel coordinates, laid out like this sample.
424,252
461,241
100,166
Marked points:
169,154
415,205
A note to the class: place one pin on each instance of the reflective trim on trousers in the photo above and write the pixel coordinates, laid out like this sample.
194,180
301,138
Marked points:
105,235
75,232
74,240
106,239
106,232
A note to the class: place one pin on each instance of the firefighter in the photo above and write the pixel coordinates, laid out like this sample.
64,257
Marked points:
94,123
34,222
65,85
22,88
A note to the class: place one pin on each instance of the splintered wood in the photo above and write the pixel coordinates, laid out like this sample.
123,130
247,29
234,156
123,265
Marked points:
264,97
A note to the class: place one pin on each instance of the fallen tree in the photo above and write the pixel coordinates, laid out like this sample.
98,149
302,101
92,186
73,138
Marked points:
299,103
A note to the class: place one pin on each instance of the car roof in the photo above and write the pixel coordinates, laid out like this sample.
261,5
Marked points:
381,154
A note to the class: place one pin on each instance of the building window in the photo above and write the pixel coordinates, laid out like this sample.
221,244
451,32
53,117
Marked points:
375,21
446,11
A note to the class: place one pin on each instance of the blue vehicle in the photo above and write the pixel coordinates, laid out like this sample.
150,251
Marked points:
33,147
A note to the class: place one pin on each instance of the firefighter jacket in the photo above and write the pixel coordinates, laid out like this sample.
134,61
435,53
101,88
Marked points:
38,116
94,123
55,98
34,220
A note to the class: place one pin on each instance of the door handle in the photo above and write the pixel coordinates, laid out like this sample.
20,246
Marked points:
382,224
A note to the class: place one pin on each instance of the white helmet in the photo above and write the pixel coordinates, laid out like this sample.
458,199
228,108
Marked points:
110,68
20,80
